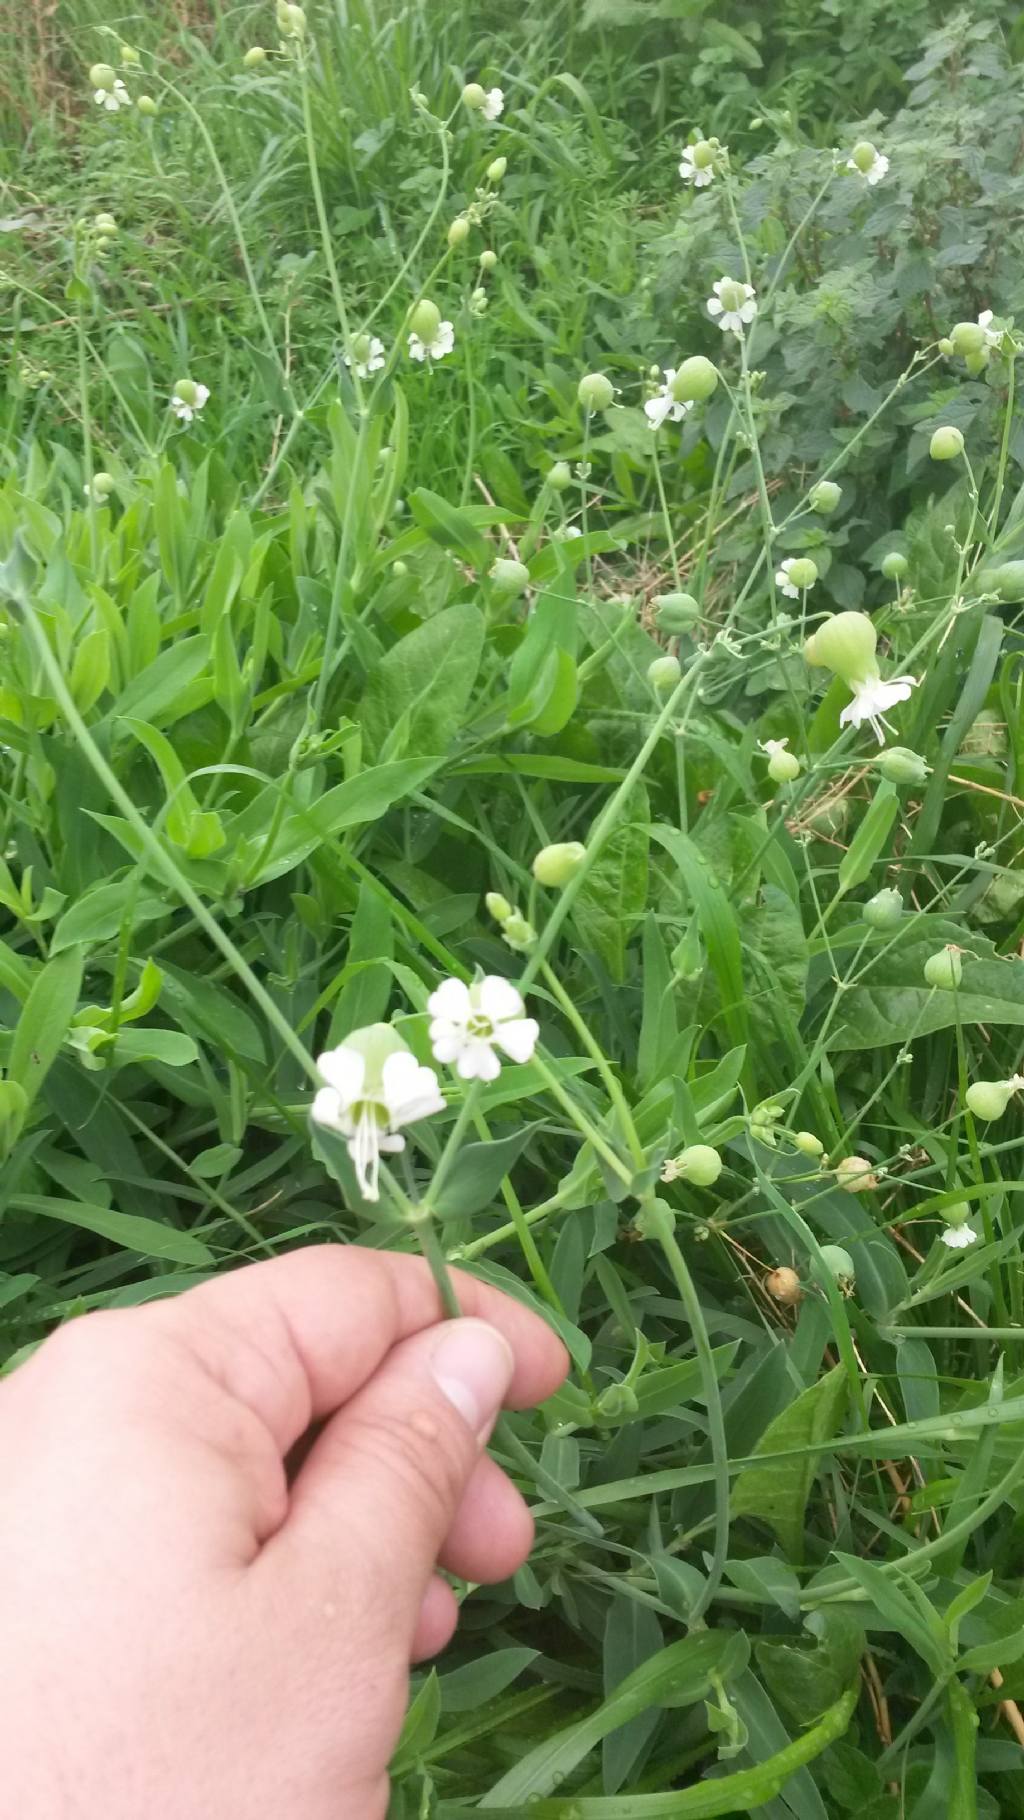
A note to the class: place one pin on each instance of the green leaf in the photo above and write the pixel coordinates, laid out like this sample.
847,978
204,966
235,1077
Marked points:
158,691
613,896
777,1493
99,914
717,925
632,1635
805,1677
895,1003
478,1172
425,682
465,1689
421,1723
44,1021
871,836
132,1231
451,527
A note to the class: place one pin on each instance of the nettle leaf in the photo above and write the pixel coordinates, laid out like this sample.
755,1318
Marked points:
613,897
425,682
777,1492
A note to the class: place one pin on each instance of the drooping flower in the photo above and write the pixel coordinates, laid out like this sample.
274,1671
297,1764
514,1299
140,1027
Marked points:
734,304
993,337
783,766
442,343
958,1237
867,162
188,399
365,356
373,1085
113,98
470,1023
699,174
871,698
494,104
663,408
795,574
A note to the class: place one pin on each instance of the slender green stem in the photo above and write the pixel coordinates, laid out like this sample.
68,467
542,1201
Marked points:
593,1048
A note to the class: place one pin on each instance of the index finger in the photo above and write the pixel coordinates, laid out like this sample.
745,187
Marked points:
294,1338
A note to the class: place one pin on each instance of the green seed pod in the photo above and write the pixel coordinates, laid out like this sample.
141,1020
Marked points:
425,320
185,389
102,76
703,154
863,155
699,1164
498,906
560,476
802,572
844,643
968,338
1007,581
808,1144
129,55
102,485
894,565
884,910
147,106
509,576
254,56
105,224
595,391
946,346
989,1099
947,443
825,497
676,612
554,866
839,1265
694,381
473,96
902,766
458,230
664,673
944,970
496,169
783,767
488,260
518,933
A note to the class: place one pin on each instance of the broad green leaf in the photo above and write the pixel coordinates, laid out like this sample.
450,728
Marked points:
718,925
632,1635
870,837
158,692
777,1492
613,896
465,1689
452,527
478,1172
425,681
148,1237
44,1021
895,1005
98,915
363,798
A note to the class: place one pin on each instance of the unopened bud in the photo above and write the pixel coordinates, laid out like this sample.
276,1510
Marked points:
595,391
946,346
616,1402
555,865
425,320
884,910
947,443
473,96
825,497
102,485
839,1265
694,381
254,56
498,906
560,476
902,766
808,1144
496,169
129,55
509,576
944,970
894,565
399,568
105,224
783,766
488,260
676,612
147,106
518,933
102,76
989,1099
458,230
664,673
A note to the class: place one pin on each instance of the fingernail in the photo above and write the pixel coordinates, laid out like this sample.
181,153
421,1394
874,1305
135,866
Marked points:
472,1364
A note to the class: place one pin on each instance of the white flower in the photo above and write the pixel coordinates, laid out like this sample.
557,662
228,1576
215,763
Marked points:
113,98
366,357
494,104
773,746
663,408
468,1021
442,344
782,580
691,172
734,303
959,1237
993,337
875,171
871,698
186,410
367,1098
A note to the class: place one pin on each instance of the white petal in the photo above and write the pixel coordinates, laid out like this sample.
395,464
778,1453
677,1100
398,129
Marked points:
657,409
478,1062
984,319
417,348
703,178
202,394
715,307
410,1091
447,1044
327,1110
959,1237
518,1037
450,1000
498,998
344,1070
717,286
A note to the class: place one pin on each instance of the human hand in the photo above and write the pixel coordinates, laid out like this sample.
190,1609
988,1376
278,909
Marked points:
188,1634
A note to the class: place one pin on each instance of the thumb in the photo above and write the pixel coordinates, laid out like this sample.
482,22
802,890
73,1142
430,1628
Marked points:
379,1491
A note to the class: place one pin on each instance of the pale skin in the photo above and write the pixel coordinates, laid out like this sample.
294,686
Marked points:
191,1626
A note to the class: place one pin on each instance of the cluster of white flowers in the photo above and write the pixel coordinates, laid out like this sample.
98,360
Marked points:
373,1084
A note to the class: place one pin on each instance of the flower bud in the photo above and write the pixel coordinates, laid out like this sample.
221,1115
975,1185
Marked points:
808,1144
488,260
703,154
894,565
989,1099
105,224
802,572
783,1285
901,766
473,96
1007,581
425,320
518,933
291,20
129,55
783,766
825,497
254,56
509,576
947,443
884,910
844,643
946,346
864,155
595,391
699,1164
102,76
944,970
694,381
855,1175
676,612
458,230
496,169
102,486
560,476
555,865
399,568
957,1213
616,1402
968,338
664,673
147,106
185,389
839,1265
498,906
